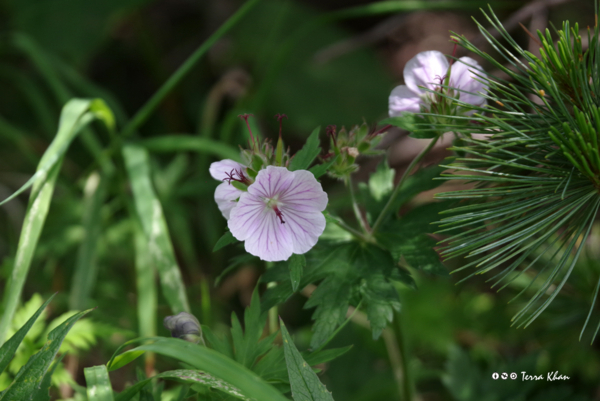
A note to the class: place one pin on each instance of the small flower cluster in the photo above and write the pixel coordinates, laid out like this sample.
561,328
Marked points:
276,212
345,146
433,86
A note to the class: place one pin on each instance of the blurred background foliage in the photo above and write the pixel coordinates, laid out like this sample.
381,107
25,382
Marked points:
319,66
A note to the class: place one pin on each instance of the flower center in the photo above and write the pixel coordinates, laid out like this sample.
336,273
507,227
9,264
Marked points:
274,204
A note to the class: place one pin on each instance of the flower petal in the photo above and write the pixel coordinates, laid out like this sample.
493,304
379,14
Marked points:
463,77
304,228
304,193
226,196
402,100
272,181
425,69
256,224
222,169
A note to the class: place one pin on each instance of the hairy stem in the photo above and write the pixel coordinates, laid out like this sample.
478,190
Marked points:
390,202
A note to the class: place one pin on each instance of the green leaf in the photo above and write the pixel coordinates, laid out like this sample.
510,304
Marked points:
29,378
187,376
331,299
412,123
225,240
309,152
98,384
305,383
43,392
86,267
419,254
381,182
216,365
152,218
7,351
321,169
380,295
296,265
75,115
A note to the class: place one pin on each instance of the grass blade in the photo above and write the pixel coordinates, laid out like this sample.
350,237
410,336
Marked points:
86,267
75,115
98,384
216,365
146,291
152,218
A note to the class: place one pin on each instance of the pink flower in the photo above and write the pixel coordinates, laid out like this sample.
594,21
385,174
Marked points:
428,69
280,214
226,195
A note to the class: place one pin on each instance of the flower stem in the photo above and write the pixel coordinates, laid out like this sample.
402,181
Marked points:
352,231
355,208
403,373
392,199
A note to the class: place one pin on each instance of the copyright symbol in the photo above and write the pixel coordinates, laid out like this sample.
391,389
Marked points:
504,375
513,376
495,376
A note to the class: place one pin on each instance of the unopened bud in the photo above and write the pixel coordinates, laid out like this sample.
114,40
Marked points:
185,326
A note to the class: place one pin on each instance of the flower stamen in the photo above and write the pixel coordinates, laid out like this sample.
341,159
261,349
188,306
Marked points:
280,118
279,214
245,118
231,176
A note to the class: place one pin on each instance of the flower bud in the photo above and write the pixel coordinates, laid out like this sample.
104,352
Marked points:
185,326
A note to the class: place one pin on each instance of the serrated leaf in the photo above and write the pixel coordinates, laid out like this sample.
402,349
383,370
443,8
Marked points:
309,152
321,169
331,299
419,254
381,182
304,382
7,351
296,265
380,295
28,379
98,384
225,240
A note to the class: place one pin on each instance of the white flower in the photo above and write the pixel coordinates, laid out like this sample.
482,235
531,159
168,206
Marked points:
428,69
280,214
226,195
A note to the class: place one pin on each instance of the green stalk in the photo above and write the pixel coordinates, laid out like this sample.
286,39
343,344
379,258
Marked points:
405,379
148,108
355,207
408,170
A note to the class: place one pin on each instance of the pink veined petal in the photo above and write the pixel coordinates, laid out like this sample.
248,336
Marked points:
226,196
304,193
425,69
256,224
220,170
403,100
272,181
305,228
463,77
